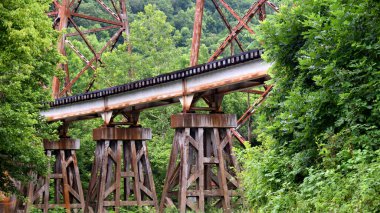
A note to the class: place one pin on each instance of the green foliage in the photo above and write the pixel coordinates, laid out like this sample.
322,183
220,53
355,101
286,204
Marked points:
152,54
27,61
320,128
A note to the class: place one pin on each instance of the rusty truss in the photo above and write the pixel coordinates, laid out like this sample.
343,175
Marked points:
65,14
257,9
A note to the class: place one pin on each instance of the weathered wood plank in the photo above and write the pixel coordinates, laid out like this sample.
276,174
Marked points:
182,197
150,176
118,175
221,172
136,173
78,181
170,170
201,199
66,195
103,174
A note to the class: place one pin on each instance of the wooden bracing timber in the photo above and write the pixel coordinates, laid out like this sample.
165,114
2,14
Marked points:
67,186
121,174
202,167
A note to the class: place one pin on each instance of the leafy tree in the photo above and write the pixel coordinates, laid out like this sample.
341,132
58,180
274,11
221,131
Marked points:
28,59
320,128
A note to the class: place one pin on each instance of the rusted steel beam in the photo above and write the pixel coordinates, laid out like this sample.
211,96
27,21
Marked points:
63,11
77,6
84,38
253,108
91,84
97,19
105,7
92,30
72,3
197,32
262,13
115,8
237,29
225,21
116,39
234,14
124,18
79,54
273,6
238,136
68,87
249,113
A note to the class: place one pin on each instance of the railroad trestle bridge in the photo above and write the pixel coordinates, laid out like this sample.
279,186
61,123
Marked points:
202,167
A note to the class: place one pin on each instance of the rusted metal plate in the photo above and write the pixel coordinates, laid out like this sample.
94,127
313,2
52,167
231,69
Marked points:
62,144
113,133
190,120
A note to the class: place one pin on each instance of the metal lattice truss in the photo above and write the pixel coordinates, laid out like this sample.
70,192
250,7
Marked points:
257,9
64,12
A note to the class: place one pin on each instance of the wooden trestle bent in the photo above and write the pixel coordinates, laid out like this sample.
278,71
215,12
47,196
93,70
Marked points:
121,173
202,167
68,192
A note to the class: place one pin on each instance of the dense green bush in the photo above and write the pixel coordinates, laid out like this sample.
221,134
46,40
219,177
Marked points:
28,61
319,130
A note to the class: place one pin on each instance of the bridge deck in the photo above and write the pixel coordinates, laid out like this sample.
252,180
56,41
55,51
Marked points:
222,76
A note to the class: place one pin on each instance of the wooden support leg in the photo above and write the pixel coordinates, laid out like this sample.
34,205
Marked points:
182,196
136,184
204,145
127,167
150,183
103,173
118,175
201,155
124,159
46,191
66,196
171,173
66,178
